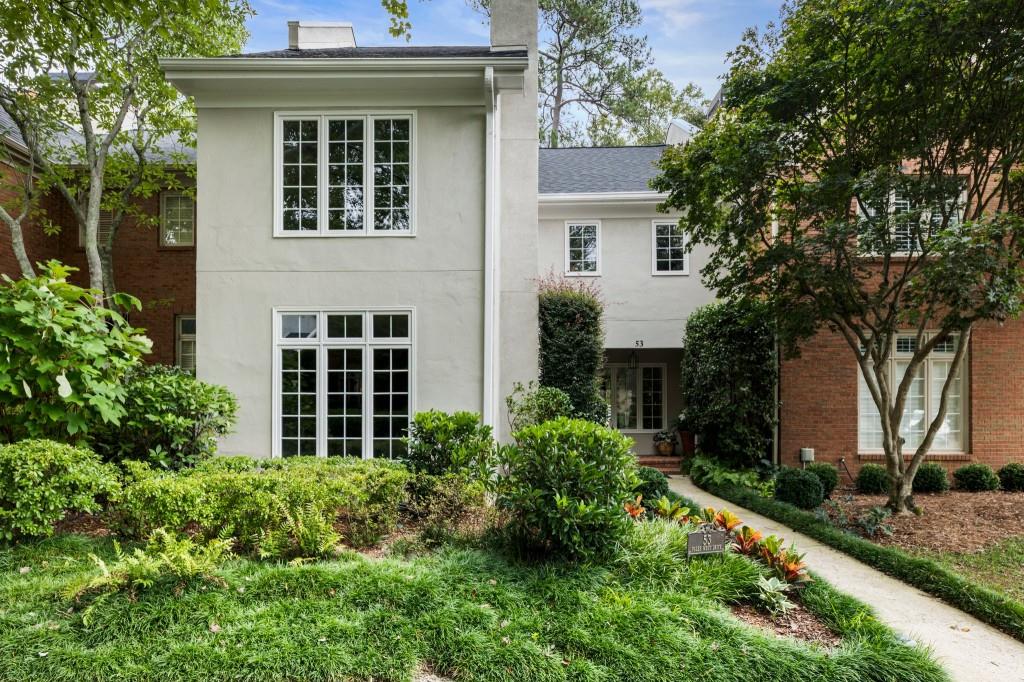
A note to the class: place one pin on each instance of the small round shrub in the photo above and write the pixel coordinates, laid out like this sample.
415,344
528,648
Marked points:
827,473
530,405
653,484
565,486
1011,477
41,479
931,478
976,478
171,419
441,443
873,479
800,488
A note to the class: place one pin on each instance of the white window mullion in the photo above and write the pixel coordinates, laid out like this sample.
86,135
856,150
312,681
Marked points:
369,155
367,392
321,177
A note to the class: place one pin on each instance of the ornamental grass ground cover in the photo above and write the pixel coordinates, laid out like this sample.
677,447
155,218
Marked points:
464,610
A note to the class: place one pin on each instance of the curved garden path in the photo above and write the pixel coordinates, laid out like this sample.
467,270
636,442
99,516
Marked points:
972,651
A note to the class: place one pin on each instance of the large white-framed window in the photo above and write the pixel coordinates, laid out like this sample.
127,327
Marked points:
185,342
344,174
668,249
636,396
912,219
177,219
583,247
344,381
922,400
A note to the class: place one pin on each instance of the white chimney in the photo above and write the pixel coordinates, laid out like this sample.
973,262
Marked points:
320,35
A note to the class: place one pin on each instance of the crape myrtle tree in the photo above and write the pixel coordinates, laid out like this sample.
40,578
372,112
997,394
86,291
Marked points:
80,80
860,177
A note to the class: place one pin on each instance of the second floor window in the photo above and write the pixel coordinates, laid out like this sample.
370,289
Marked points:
177,219
583,248
669,255
341,175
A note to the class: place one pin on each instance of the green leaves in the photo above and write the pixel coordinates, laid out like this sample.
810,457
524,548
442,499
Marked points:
63,358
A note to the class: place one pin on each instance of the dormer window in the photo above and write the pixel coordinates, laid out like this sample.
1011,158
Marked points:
344,175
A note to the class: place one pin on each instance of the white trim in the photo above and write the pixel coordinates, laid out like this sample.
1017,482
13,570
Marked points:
491,222
602,197
322,343
583,223
163,227
323,117
655,272
217,67
639,395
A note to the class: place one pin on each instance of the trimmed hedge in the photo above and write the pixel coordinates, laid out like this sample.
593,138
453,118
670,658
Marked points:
1011,477
827,473
976,478
931,478
800,488
572,345
653,484
873,479
927,575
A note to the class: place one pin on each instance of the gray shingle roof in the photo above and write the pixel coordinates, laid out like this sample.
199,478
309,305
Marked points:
585,170
9,130
390,52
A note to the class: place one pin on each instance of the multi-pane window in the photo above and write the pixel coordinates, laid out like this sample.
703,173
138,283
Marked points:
636,396
185,342
344,382
911,220
583,248
344,175
103,228
669,243
922,402
177,219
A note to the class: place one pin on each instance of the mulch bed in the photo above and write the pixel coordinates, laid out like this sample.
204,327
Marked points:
951,522
799,623
93,525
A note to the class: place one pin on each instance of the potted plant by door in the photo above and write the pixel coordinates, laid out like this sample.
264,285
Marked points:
665,443
686,435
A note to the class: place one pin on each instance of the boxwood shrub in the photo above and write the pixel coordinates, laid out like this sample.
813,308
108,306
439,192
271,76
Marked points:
1011,477
441,443
40,480
976,478
653,484
931,478
799,487
360,498
873,479
827,474
565,486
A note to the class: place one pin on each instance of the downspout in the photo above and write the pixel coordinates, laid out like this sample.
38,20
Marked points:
491,224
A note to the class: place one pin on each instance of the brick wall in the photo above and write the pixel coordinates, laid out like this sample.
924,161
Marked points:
818,393
37,244
162,278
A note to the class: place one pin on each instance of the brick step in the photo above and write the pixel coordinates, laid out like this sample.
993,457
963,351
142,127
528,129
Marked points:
666,465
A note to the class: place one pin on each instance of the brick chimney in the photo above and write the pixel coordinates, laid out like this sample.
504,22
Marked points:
320,35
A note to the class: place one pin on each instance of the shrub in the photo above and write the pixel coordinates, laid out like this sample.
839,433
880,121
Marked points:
440,443
976,478
653,484
171,419
572,344
441,504
530,405
268,508
729,378
707,471
565,487
63,357
165,558
41,479
873,479
827,474
1011,477
800,488
931,478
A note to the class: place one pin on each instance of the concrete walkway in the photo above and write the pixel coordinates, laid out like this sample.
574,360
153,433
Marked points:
970,650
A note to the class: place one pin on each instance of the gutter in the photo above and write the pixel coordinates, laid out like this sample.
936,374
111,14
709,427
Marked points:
568,198
220,66
492,221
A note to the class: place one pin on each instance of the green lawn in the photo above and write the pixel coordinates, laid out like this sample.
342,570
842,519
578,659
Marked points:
467,611
1000,567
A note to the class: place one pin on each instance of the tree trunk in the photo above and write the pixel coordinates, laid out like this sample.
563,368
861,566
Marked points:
107,261
91,229
18,246
556,109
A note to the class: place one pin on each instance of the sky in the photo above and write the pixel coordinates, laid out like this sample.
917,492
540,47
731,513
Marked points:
689,38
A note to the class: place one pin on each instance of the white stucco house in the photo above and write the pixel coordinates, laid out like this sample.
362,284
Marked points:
372,222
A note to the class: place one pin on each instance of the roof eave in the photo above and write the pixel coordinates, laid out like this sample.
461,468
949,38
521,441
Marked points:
284,65
602,198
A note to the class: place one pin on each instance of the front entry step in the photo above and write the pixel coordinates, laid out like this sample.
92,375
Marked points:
666,465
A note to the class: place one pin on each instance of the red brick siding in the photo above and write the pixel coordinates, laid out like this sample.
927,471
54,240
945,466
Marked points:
818,394
163,279
37,244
